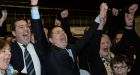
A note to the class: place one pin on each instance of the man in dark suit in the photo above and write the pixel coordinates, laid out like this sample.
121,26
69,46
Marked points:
22,33
61,58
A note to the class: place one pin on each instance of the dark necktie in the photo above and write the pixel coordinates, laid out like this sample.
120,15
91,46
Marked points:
29,62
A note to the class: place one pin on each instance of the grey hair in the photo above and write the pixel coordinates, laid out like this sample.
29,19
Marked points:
106,36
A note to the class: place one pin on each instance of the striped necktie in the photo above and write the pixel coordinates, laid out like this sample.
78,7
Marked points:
29,62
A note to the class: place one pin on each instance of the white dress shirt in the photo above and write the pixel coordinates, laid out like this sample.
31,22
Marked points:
34,57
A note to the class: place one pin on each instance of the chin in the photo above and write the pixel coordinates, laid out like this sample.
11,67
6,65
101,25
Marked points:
5,67
26,43
64,46
105,54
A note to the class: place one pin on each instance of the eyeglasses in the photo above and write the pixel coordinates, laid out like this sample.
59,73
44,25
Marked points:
119,67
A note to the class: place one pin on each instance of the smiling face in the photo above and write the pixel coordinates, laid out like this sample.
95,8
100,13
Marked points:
5,56
22,32
105,45
58,38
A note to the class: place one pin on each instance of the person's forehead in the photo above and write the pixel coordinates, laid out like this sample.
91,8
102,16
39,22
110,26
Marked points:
104,39
20,22
6,46
119,34
119,64
56,29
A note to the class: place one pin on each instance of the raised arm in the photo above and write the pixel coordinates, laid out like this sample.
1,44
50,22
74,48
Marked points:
2,19
93,47
37,26
133,8
66,26
102,15
129,40
4,16
95,41
98,24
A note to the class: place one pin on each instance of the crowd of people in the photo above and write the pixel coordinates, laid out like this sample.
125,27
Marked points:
34,49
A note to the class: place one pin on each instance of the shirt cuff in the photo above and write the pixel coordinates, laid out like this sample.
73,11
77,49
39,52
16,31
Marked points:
35,13
97,20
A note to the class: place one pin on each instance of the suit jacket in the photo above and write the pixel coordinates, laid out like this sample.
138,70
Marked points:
95,62
17,57
57,59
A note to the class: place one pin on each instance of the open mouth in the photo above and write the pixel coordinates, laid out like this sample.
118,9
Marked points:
7,60
26,35
105,49
63,38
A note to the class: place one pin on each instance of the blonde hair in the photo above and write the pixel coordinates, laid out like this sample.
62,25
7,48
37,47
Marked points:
106,36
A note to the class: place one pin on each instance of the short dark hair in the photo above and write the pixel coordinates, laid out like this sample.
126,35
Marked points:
18,19
121,59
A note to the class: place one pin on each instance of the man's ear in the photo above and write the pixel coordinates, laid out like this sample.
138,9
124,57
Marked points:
13,32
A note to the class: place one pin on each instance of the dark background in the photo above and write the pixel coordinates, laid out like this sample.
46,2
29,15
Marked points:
85,7
81,11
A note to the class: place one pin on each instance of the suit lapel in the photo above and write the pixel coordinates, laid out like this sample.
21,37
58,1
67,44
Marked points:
17,56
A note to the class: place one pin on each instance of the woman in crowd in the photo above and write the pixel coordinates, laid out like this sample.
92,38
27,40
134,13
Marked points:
5,56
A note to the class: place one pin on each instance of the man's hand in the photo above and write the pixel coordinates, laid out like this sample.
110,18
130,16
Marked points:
129,18
4,16
34,2
103,13
57,22
4,13
115,12
64,13
132,9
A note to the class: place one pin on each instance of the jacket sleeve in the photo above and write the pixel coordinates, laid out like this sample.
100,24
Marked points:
86,38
